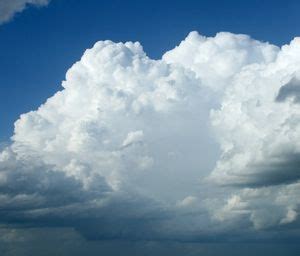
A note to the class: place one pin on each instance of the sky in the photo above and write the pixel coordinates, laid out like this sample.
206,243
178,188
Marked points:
149,127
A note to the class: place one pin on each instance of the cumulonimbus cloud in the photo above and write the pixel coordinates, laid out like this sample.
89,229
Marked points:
204,140
8,8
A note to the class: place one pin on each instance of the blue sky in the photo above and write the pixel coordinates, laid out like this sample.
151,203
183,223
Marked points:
40,44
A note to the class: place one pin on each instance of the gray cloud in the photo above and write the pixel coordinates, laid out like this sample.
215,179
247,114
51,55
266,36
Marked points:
290,90
8,8
63,241
277,170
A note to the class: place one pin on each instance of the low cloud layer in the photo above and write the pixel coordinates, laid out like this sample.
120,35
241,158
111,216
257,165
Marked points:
8,8
201,143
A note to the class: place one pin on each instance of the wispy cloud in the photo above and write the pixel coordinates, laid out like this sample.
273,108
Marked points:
8,8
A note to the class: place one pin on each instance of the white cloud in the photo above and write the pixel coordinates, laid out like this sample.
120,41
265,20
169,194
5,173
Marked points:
217,60
128,137
260,135
8,8
133,137
187,201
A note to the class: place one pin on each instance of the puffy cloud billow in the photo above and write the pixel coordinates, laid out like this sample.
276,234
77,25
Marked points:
201,143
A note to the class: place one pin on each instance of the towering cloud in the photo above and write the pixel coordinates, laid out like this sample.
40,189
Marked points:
203,141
